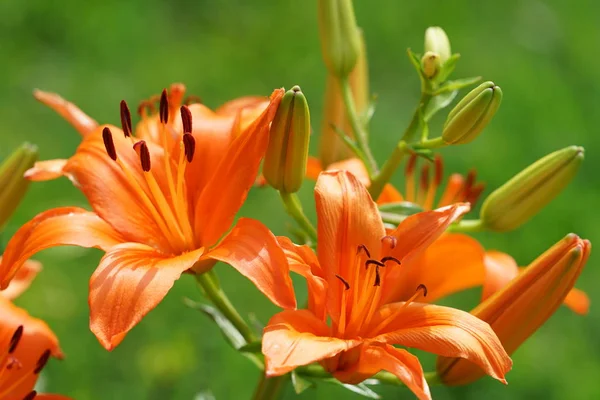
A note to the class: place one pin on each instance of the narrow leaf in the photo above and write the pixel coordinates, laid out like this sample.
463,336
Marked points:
448,68
229,332
456,85
360,389
300,384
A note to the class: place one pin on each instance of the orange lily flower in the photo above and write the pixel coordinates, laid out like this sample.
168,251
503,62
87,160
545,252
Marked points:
349,278
516,311
160,207
26,343
454,262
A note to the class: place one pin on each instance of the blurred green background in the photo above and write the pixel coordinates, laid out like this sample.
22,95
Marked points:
95,53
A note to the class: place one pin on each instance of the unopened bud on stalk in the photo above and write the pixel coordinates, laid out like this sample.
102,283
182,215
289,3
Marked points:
436,41
287,153
519,199
520,308
430,62
12,183
472,114
340,41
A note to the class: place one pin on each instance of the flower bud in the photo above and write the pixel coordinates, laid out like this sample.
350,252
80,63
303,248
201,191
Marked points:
287,153
430,62
519,199
525,304
12,183
340,41
472,114
436,41
332,148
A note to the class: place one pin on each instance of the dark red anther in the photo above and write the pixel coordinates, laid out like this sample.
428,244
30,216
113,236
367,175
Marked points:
374,262
362,247
377,277
391,239
423,288
410,165
41,363
31,395
425,177
141,148
14,340
439,170
346,284
475,193
164,107
186,119
470,181
126,119
390,258
189,146
109,144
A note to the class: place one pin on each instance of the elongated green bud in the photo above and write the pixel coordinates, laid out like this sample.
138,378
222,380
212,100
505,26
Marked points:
472,114
12,183
287,153
519,199
340,40
436,41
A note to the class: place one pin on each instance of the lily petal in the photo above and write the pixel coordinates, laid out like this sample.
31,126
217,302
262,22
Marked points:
69,111
347,219
452,263
303,261
131,280
253,250
72,226
413,236
444,331
578,301
233,177
375,358
46,170
313,168
51,397
297,337
22,279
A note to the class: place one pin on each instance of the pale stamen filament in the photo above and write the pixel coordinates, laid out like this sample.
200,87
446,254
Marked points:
420,291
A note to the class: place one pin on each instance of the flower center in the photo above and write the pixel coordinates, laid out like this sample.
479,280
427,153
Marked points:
12,372
165,199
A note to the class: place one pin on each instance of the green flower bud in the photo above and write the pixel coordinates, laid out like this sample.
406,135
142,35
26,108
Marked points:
430,63
12,183
287,153
472,114
436,41
340,39
530,190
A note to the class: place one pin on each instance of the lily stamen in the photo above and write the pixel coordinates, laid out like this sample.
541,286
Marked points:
125,119
410,179
141,148
109,144
41,363
346,284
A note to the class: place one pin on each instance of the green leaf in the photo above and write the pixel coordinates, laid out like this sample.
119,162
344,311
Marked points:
369,112
438,103
300,384
360,389
456,85
401,207
447,68
229,332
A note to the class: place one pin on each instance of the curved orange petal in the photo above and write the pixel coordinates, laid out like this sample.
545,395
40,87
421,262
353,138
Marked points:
347,219
452,263
578,301
35,340
297,337
375,358
115,195
22,279
232,178
253,250
444,331
72,226
355,166
69,111
500,268
232,107
43,396
131,280
313,168
413,236
303,261
46,170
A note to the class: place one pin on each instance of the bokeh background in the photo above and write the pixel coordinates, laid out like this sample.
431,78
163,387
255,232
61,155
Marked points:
95,53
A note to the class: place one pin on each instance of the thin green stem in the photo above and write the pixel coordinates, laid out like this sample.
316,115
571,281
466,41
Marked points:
467,226
410,131
219,299
388,170
434,143
294,208
270,388
360,135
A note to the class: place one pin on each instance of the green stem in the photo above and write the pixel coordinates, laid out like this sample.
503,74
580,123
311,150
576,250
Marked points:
316,371
387,171
219,299
467,226
294,208
270,388
410,131
434,143
360,135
